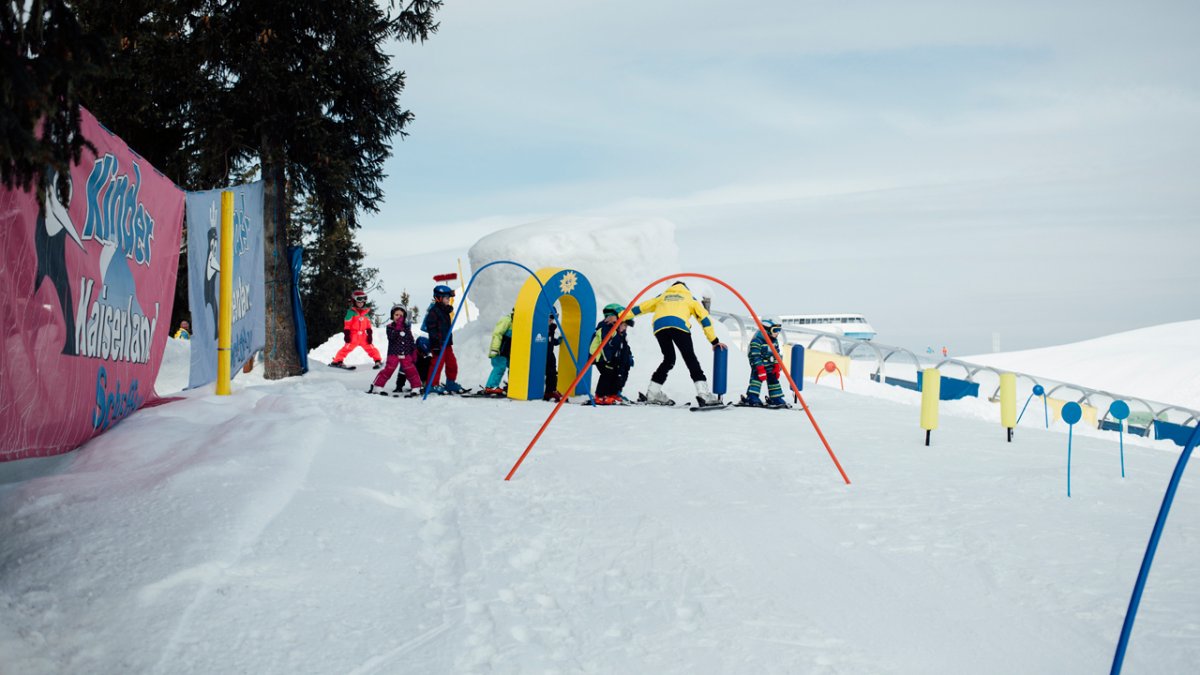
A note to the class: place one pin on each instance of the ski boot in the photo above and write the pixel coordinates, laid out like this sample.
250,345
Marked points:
777,402
704,395
655,396
751,400
452,387
377,366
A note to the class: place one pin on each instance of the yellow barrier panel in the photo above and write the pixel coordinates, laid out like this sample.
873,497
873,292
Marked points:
225,319
814,362
931,391
1008,402
1056,406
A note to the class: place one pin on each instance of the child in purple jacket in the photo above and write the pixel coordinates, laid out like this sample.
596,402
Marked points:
402,351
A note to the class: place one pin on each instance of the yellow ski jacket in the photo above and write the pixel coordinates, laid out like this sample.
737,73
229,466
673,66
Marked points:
674,309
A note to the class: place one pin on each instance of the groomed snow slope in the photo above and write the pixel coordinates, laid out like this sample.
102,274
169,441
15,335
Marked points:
301,526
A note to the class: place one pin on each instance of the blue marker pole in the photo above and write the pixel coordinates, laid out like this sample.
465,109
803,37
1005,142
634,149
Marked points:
1039,390
1151,547
1071,413
1120,411
798,367
1023,408
720,371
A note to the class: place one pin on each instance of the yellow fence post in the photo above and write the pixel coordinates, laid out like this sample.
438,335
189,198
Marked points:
1008,402
931,392
225,320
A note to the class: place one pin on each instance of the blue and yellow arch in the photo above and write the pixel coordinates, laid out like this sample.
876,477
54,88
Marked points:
531,317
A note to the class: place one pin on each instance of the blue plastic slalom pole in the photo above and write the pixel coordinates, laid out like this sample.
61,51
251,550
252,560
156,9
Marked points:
1070,436
1071,413
720,371
1046,409
1023,408
798,367
1151,547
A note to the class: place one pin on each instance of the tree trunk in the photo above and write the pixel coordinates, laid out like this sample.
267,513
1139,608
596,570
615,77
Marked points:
280,359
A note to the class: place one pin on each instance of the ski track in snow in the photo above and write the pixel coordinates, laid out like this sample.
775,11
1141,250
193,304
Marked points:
302,526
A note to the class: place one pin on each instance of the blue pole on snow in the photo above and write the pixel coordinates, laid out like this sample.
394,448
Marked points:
1151,547
1071,413
1119,411
467,291
798,367
720,371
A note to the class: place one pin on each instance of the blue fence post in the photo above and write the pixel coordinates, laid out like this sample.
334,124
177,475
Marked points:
797,370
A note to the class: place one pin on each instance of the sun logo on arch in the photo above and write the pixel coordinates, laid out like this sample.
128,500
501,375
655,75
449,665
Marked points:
568,281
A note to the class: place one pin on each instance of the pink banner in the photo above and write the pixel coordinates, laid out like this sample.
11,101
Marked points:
86,287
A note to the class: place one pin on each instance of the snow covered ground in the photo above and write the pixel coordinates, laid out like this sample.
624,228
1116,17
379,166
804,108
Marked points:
302,526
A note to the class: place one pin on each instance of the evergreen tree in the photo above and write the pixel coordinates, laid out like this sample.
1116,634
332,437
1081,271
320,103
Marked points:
333,270
45,59
303,90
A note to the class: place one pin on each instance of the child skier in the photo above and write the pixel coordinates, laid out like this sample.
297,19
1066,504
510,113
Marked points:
437,326
615,360
498,353
552,341
673,311
184,332
423,360
402,352
358,331
764,368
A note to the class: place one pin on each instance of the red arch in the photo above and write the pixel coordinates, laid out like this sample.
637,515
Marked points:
628,308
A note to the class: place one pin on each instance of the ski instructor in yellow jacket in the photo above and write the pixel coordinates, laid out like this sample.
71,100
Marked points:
673,311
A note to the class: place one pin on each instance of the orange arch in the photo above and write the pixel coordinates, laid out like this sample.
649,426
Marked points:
628,308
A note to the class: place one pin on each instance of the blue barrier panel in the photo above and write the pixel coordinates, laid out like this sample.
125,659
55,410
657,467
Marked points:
897,382
1169,431
954,388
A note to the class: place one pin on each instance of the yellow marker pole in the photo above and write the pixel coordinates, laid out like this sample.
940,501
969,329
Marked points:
931,392
225,320
463,288
1008,402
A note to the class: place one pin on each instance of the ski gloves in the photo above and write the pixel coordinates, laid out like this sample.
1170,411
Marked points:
760,372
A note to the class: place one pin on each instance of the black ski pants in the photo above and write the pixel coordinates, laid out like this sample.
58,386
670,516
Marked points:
669,340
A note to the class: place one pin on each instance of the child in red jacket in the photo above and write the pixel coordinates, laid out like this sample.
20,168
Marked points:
357,331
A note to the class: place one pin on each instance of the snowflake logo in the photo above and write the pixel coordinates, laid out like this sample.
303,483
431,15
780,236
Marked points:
567,284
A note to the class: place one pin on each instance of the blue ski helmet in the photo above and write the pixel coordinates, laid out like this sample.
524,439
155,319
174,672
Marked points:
443,291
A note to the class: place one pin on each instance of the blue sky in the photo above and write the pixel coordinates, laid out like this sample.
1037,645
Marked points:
950,169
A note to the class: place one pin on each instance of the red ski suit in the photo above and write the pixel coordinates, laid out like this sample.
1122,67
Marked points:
358,331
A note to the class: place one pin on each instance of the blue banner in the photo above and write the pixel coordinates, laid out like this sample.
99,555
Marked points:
204,262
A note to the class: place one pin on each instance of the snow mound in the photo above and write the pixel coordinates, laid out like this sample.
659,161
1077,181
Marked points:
1158,363
618,256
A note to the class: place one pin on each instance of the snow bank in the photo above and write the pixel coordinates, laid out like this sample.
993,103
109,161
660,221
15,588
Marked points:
1158,363
618,256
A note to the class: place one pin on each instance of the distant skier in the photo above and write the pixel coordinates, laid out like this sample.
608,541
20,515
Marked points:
437,325
615,360
184,332
764,367
945,352
402,352
673,311
498,354
357,331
